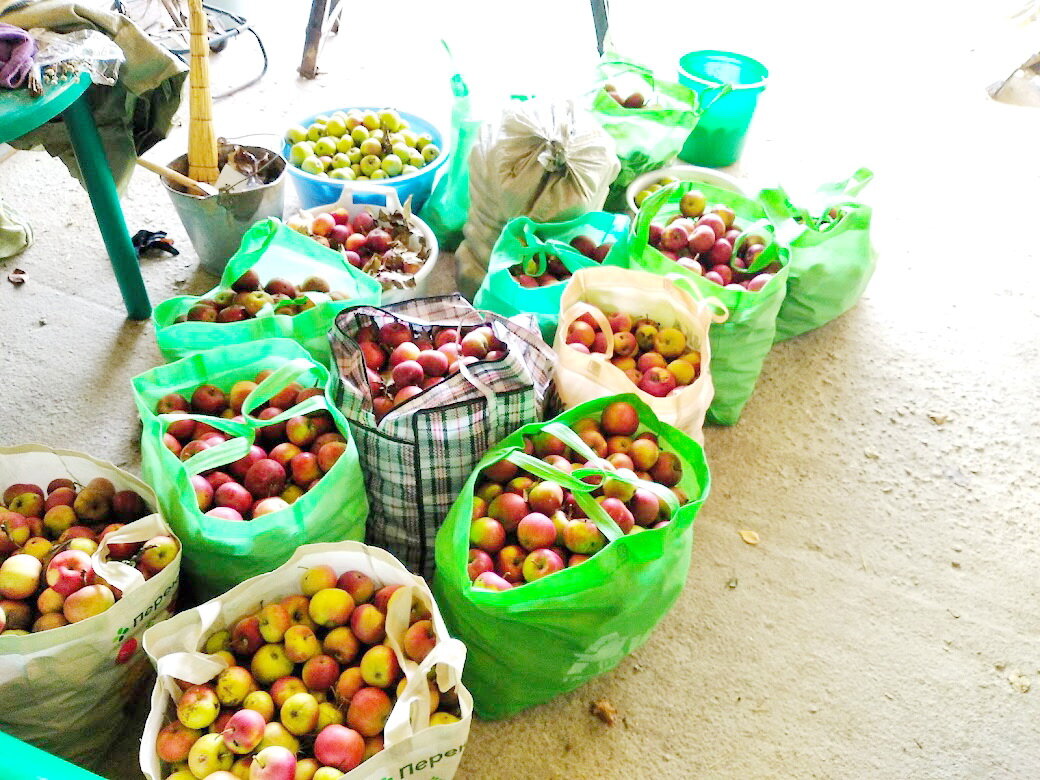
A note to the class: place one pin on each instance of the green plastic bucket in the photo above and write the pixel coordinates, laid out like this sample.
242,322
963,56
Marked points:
728,85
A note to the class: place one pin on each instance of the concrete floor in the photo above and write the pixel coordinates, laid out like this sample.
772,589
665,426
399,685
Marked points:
885,626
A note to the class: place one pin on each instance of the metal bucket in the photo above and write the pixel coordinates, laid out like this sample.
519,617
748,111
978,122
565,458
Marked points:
216,223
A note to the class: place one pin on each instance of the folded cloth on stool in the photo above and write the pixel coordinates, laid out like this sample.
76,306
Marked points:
17,49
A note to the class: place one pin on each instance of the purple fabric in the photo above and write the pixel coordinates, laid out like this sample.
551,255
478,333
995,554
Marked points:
17,49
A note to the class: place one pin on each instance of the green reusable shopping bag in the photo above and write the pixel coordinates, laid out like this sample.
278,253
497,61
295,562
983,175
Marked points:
272,249
219,554
740,344
832,258
646,138
532,643
523,238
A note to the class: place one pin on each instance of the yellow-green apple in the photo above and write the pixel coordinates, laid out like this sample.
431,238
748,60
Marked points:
487,534
379,666
209,754
37,547
300,643
317,578
367,622
174,740
28,504
299,713
341,644
269,663
340,747
683,371
369,708
49,621
306,767
233,685
157,553
20,576
198,706
301,431
331,607
670,343
274,621
329,714
582,536
260,701
276,734
519,485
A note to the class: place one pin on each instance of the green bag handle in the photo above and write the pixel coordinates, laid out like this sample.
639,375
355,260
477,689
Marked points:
604,522
652,207
244,433
575,442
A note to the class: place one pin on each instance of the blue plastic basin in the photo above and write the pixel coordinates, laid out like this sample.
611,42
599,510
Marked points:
315,191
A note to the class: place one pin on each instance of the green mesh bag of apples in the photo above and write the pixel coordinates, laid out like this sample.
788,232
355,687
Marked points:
572,537
279,284
249,459
531,262
718,244
832,257
86,567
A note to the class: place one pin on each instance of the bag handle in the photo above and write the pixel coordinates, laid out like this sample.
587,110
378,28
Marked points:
578,308
117,573
576,443
346,197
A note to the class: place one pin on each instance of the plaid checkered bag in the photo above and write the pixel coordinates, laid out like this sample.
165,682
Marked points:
419,456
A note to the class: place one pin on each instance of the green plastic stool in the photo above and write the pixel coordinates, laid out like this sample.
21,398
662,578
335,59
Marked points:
21,113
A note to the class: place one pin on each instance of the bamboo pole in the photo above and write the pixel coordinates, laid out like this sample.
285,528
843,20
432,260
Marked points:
196,187
202,141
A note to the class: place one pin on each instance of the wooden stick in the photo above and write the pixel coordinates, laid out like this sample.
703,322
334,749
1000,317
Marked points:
180,178
202,141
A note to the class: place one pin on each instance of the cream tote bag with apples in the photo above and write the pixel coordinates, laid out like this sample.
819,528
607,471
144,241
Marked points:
581,377
413,749
65,690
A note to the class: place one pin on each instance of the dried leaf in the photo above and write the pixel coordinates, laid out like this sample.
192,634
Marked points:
938,419
749,537
604,710
732,583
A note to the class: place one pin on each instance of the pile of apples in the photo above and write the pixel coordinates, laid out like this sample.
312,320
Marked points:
702,240
524,528
382,244
658,360
653,187
310,683
47,538
248,296
633,99
286,460
555,270
358,145
401,364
